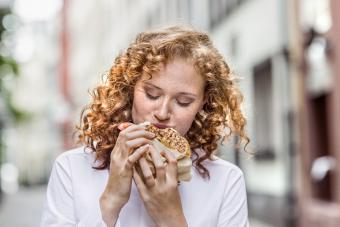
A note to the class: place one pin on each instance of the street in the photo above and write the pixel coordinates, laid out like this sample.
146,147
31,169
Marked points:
22,208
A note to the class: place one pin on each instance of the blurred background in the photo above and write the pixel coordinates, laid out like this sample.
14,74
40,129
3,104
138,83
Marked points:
287,52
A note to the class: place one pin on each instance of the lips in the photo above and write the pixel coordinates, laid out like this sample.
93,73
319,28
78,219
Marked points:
162,126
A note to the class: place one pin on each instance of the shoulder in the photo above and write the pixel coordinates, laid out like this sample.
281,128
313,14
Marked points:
224,177
76,156
220,168
219,163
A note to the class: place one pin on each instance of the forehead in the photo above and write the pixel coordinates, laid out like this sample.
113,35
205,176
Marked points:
178,75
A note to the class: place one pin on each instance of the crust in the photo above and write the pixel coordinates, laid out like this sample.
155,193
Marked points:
171,139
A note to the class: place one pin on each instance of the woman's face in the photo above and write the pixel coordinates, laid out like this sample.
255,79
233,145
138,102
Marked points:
171,98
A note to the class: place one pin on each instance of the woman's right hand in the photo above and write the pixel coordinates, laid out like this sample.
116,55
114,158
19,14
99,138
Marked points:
131,145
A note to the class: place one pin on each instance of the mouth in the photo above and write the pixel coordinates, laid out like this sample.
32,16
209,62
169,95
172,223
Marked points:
162,126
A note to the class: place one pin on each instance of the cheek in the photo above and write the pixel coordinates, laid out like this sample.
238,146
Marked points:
140,109
185,119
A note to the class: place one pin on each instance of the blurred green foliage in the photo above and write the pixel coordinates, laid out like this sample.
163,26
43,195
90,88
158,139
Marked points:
9,68
15,113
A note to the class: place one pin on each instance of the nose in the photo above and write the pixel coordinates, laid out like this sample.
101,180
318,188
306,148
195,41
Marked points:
163,112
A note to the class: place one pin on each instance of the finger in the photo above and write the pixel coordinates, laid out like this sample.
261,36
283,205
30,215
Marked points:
136,155
127,147
140,133
124,125
139,181
135,143
159,164
131,127
147,173
171,167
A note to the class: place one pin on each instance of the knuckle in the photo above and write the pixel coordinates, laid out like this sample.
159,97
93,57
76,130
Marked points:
129,163
173,161
151,183
114,158
173,185
146,198
143,140
160,167
123,134
138,150
127,144
150,134
148,177
113,154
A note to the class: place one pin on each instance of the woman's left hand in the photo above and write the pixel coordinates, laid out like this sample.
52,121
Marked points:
160,194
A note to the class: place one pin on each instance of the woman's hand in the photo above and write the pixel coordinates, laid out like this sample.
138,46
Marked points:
133,141
160,194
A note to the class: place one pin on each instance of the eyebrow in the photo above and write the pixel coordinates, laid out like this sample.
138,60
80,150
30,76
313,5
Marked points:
182,93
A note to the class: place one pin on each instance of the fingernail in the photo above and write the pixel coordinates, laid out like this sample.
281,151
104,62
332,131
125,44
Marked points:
124,125
145,123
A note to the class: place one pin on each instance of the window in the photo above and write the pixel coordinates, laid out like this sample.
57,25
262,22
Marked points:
319,145
263,111
220,9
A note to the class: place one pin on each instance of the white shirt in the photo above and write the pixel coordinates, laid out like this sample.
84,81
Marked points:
74,189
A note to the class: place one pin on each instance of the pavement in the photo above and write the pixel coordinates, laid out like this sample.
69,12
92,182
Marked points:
23,208
256,223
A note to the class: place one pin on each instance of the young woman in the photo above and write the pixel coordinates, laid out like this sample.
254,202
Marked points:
175,78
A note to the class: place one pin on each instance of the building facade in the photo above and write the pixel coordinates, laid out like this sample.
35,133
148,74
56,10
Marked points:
253,36
319,198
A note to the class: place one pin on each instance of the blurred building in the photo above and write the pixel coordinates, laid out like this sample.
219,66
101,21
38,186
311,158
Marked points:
254,37
320,113
288,53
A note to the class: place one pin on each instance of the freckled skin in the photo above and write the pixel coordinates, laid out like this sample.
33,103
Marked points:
160,99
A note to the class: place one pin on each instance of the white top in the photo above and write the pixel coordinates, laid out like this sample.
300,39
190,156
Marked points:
74,189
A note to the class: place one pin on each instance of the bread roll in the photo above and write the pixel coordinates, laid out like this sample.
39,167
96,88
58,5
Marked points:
169,139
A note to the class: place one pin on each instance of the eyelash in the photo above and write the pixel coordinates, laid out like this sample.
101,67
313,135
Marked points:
156,97
183,104
151,97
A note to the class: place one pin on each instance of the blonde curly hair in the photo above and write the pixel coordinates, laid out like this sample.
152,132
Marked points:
112,100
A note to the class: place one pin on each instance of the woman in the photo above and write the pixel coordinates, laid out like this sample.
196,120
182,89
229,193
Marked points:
175,78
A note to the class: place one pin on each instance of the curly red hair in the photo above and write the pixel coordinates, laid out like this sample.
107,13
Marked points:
112,100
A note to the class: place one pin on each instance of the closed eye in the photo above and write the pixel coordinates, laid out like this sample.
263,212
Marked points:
155,97
152,97
183,103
